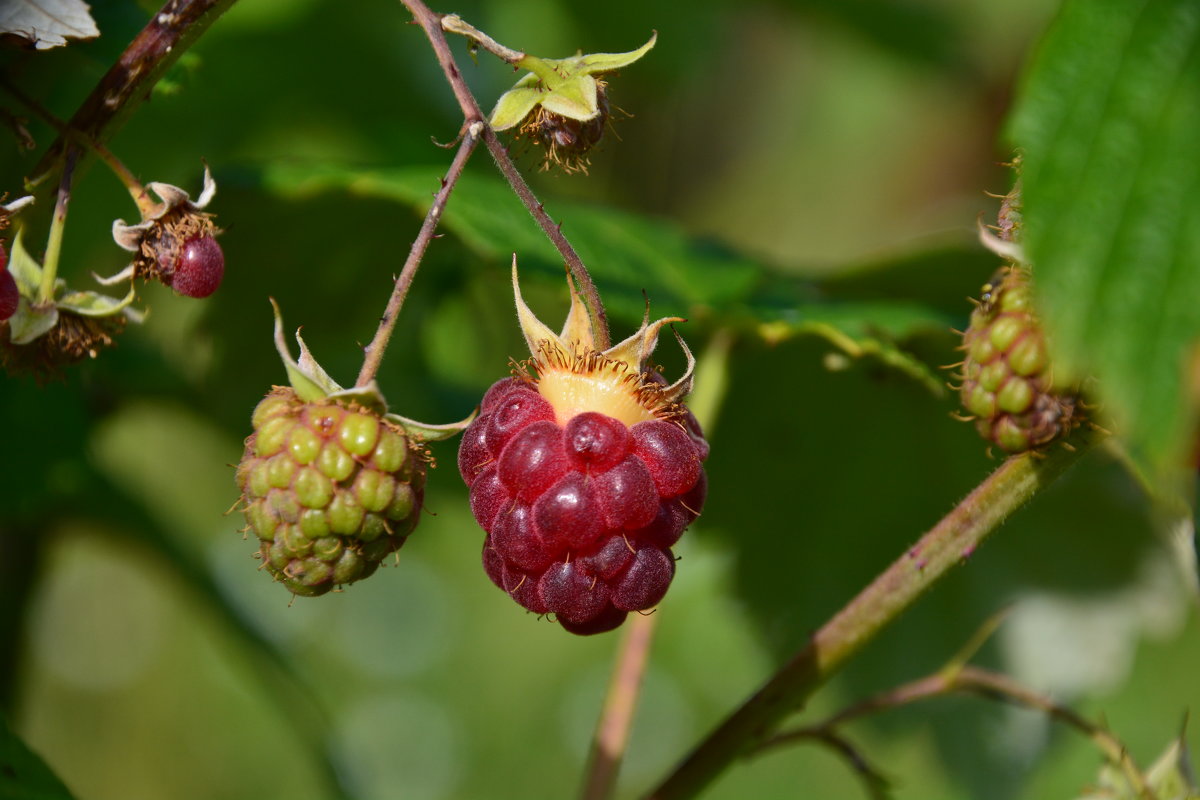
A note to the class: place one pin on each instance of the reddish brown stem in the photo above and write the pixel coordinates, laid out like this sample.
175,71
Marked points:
375,350
431,23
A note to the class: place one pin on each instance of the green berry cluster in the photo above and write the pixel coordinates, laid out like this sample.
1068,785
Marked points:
330,490
1006,379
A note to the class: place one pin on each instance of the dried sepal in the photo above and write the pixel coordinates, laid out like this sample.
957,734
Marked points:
175,242
562,105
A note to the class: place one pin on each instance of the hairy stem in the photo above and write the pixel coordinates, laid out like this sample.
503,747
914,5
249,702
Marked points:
431,23
554,233
378,346
57,223
985,683
616,718
945,546
168,35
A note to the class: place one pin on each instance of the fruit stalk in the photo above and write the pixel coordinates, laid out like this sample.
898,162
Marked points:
946,545
118,168
57,223
375,350
554,233
620,703
431,23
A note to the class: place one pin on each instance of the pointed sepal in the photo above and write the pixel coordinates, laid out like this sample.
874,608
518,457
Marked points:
578,327
309,379
24,268
533,329
593,63
29,322
515,104
94,304
575,98
430,433
368,396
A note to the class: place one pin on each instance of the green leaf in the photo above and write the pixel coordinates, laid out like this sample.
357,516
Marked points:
23,775
625,253
858,328
1108,122
632,257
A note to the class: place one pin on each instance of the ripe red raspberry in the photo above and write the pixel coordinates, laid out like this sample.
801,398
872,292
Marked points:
584,472
175,242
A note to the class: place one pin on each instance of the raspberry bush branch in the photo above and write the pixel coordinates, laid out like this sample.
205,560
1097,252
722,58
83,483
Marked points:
431,23
166,37
966,679
841,638
375,350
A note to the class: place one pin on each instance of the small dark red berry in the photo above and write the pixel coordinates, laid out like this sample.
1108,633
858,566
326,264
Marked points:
200,269
9,295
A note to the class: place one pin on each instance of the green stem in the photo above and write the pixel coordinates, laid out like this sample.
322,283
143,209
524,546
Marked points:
57,224
945,546
545,72
453,23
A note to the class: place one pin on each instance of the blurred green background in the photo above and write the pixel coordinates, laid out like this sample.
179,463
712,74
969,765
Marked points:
815,163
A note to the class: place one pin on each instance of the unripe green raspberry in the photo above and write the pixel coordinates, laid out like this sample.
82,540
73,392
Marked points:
1006,379
329,489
